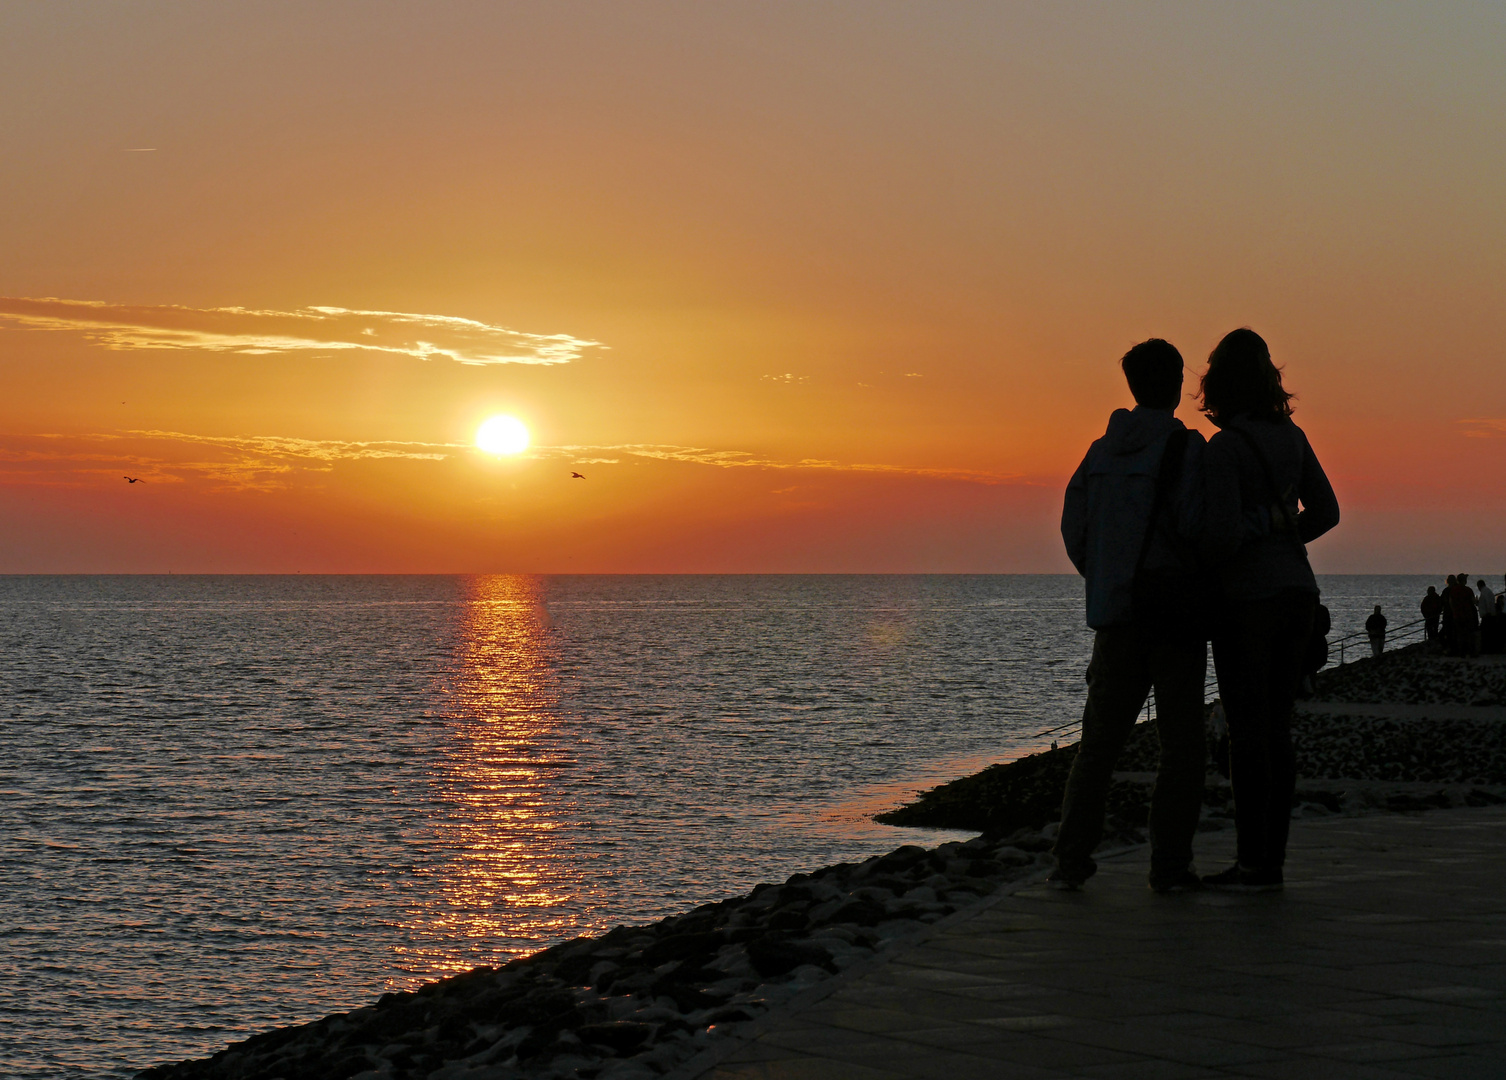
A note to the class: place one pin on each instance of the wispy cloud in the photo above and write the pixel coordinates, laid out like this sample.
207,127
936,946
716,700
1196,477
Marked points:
306,330
272,462
1484,427
250,463
742,459
309,449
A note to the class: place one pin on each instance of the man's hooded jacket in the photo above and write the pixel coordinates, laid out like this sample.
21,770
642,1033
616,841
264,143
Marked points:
1108,508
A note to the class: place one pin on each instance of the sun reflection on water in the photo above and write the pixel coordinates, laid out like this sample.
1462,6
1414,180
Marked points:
502,784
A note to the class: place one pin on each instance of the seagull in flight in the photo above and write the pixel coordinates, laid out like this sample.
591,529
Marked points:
132,479
576,476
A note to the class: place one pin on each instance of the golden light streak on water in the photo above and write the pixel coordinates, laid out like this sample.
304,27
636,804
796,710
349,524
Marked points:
503,781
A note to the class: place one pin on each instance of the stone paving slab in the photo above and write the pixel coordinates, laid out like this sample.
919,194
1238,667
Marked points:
1385,958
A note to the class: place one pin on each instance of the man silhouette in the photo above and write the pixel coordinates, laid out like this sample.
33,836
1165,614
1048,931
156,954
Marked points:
1375,627
1465,615
1432,607
1131,517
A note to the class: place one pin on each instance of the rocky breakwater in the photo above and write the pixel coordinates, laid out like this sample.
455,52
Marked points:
1409,730
637,1001
1416,675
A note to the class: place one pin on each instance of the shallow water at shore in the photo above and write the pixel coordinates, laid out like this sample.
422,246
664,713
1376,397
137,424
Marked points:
245,802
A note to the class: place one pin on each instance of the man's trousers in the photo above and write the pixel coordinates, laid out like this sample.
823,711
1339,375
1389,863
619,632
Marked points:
1127,662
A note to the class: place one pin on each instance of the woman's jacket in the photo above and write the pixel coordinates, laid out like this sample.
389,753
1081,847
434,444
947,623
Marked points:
1259,562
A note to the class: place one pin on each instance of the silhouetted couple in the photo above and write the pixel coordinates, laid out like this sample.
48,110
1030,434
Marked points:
1182,541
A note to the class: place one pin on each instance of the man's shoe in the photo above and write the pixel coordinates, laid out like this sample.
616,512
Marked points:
1183,881
1240,879
1059,879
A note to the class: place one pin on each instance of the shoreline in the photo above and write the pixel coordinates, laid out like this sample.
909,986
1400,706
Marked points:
637,1002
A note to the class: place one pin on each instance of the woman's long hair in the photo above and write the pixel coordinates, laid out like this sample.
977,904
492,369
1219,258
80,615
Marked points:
1242,380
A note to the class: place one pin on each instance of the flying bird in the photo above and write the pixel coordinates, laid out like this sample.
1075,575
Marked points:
132,479
576,476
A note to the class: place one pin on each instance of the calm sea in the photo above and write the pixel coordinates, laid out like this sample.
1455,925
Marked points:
232,803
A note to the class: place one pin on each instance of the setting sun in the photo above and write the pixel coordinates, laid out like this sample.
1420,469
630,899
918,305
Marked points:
502,435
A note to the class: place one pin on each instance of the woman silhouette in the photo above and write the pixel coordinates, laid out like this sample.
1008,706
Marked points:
1267,498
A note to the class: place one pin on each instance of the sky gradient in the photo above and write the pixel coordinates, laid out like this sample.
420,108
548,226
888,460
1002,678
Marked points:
830,287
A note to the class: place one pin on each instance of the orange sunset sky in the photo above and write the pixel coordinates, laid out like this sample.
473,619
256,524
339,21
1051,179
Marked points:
829,286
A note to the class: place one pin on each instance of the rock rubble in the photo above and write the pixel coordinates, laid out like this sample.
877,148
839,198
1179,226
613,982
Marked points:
1416,675
637,1001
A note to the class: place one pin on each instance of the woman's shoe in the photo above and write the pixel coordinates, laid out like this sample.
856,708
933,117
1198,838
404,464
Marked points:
1241,879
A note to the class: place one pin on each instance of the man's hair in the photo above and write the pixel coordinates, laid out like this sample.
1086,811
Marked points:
1241,379
1154,371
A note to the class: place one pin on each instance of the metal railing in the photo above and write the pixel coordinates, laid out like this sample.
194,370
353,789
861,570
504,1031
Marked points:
1405,634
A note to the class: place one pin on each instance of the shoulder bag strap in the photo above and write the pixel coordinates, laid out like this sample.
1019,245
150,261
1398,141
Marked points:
1289,519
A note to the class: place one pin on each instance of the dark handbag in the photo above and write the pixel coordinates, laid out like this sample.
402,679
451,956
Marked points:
1177,604
1317,641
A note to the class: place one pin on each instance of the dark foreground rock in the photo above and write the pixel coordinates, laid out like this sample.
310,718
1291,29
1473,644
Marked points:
636,1001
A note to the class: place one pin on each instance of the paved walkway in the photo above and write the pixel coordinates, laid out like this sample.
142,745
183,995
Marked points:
1385,957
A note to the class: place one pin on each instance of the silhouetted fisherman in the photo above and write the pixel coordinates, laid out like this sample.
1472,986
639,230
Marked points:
1130,516
1375,626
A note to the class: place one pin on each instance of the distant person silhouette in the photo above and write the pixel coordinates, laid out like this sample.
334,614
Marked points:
1130,520
1432,607
1375,627
1260,465
1464,616
1492,630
